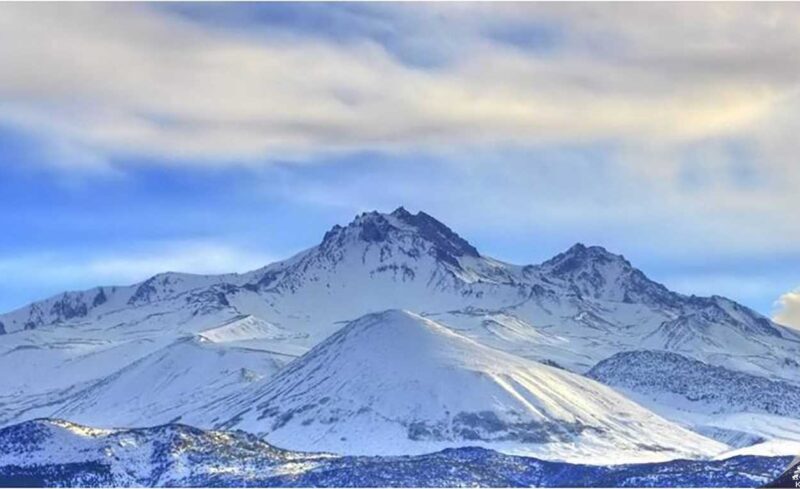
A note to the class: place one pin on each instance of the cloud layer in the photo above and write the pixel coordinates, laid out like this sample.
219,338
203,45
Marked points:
701,111
121,79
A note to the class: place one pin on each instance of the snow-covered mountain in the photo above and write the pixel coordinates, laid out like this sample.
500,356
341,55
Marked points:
55,453
172,384
395,383
573,311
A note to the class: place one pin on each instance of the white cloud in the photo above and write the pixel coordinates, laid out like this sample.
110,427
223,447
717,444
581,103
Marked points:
788,309
98,80
127,78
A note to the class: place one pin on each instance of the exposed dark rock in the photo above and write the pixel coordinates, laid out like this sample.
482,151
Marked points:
100,298
653,373
68,307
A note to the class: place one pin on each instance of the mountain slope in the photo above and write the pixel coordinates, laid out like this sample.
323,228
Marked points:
700,387
160,456
394,382
49,453
734,407
170,385
137,381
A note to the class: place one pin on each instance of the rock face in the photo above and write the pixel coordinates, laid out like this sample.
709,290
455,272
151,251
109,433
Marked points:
396,383
696,386
733,407
573,311
595,273
55,453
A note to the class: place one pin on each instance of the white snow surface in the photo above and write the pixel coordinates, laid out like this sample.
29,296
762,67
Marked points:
247,328
396,383
771,448
174,384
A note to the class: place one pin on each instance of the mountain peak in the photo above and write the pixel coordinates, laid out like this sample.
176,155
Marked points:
579,257
387,315
400,212
399,327
375,227
594,271
580,249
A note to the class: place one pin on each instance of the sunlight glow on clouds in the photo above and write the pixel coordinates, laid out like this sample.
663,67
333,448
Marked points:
788,312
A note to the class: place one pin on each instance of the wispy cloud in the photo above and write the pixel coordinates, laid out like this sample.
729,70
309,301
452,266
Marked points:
67,270
573,192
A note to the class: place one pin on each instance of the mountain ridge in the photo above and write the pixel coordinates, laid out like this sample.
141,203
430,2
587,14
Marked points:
578,308
372,227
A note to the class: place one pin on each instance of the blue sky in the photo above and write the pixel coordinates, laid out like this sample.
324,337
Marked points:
219,137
